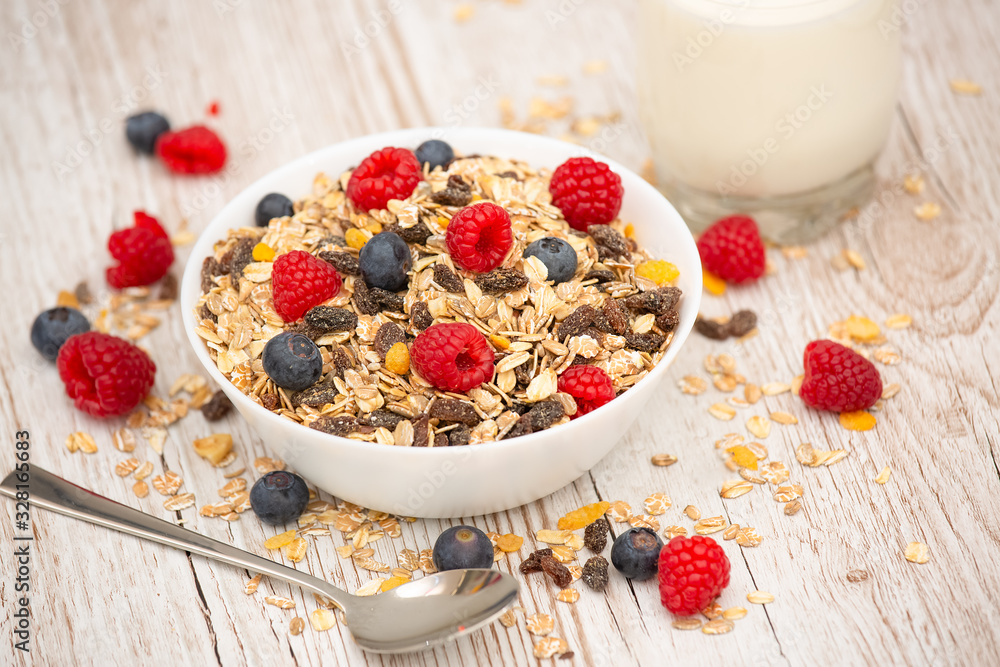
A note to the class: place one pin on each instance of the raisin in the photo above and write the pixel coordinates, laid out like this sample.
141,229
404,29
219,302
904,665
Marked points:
509,174
420,316
206,314
613,318
742,323
595,537
168,288
456,193
668,321
305,329
600,275
608,240
595,333
595,573
523,375
657,301
710,329
557,572
441,440
315,396
331,319
386,299
645,342
577,321
342,425
209,269
344,262
217,407
501,281
418,233
533,563
381,418
448,279
341,362
522,427
242,254
544,414
364,302
269,401
388,335
454,410
421,431
459,436
85,297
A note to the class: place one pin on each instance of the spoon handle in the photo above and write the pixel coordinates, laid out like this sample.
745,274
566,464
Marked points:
54,493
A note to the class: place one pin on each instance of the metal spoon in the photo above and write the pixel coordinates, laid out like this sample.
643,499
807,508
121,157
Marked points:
431,610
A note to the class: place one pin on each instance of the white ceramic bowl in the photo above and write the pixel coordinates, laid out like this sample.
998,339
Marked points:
475,479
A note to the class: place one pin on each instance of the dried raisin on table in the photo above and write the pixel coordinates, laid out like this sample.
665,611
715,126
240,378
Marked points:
456,193
501,281
448,279
595,537
577,321
344,262
556,571
645,342
420,316
711,329
533,563
742,323
217,407
454,410
168,288
595,573
388,335
331,319
341,425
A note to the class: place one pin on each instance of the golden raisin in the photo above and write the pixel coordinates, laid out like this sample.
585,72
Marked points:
392,582
659,271
262,253
500,342
862,328
67,299
356,238
509,542
743,457
443,222
280,540
713,283
584,516
374,227
629,231
857,421
397,359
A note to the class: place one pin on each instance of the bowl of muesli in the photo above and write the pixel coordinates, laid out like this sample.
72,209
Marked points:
449,336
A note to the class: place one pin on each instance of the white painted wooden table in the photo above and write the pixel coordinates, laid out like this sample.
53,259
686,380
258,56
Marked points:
297,76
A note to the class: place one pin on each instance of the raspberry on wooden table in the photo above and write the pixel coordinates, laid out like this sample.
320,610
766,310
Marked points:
193,150
389,173
838,379
299,281
143,251
692,573
452,356
479,237
587,192
589,385
104,375
732,250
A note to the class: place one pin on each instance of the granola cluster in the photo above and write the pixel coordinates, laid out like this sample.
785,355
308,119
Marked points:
608,315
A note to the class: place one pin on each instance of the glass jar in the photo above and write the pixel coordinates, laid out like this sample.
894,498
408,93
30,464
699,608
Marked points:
775,108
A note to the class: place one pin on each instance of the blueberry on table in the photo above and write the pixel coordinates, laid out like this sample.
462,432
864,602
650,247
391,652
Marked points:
273,205
144,128
279,497
384,261
462,547
53,327
635,553
435,152
292,361
557,255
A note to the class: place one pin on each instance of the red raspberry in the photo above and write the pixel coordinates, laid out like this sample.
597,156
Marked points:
692,573
479,237
587,192
104,375
143,252
452,356
589,385
838,378
731,249
391,173
299,281
194,150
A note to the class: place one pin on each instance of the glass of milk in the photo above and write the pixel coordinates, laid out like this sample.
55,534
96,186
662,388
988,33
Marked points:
775,108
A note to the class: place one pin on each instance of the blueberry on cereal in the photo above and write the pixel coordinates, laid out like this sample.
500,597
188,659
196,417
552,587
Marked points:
435,153
292,361
384,261
273,205
557,255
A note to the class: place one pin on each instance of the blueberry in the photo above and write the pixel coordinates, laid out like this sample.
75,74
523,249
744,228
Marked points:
436,152
274,205
635,553
557,255
384,261
143,128
462,547
54,327
279,497
292,361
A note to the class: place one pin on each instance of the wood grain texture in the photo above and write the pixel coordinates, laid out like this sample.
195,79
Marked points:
290,78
